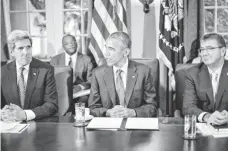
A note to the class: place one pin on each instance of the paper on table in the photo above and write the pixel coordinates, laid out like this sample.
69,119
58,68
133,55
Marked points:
207,130
105,123
7,125
142,123
204,129
12,127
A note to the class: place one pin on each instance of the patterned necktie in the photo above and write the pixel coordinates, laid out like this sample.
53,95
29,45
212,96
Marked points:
214,82
120,87
21,86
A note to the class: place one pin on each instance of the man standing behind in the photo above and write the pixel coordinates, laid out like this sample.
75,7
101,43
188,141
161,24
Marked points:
80,63
206,88
122,87
28,89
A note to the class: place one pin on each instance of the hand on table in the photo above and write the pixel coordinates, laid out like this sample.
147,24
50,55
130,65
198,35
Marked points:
120,111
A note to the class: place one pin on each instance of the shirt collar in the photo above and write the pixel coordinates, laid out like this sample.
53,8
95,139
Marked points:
72,56
217,71
123,68
19,66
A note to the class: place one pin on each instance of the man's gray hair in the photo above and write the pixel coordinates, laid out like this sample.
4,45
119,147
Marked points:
125,39
17,35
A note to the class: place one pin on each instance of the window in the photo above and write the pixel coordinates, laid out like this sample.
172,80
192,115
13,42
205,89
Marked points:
30,15
58,17
216,20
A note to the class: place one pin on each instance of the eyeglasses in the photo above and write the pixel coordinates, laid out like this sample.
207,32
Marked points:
208,49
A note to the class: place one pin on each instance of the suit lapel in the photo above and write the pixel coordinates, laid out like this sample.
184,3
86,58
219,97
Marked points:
78,63
131,79
61,60
223,83
32,78
12,78
110,84
205,83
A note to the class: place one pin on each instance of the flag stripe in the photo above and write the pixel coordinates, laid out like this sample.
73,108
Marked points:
95,32
96,47
104,23
109,6
124,12
101,26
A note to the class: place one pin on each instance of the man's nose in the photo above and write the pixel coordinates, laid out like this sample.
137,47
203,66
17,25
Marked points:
106,53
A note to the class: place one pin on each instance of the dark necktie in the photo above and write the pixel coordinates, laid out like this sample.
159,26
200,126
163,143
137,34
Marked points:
120,87
70,64
21,86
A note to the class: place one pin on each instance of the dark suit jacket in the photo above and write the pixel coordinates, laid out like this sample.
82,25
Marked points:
41,95
83,67
198,94
140,92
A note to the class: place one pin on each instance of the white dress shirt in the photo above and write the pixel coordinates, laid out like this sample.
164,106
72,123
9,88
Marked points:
30,115
124,69
73,59
218,72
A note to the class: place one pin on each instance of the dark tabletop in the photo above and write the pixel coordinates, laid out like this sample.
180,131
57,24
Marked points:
59,134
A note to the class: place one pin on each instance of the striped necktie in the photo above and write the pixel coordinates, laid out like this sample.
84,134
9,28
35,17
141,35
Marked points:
214,82
120,88
21,86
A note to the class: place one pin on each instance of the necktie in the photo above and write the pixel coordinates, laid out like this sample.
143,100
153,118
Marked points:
120,87
70,63
214,82
21,86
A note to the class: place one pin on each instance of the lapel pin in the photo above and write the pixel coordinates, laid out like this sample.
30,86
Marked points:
34,73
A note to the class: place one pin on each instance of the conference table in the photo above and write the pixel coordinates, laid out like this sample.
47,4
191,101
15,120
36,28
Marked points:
59,134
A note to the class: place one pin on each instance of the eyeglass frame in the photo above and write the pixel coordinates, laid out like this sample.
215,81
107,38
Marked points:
208,50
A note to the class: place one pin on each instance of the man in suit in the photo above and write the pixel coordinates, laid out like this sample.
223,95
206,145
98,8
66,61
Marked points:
28,89
80,63
206,87
122,87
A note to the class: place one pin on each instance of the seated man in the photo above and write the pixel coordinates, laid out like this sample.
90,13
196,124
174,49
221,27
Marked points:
122,87
80,63
206,88
27,84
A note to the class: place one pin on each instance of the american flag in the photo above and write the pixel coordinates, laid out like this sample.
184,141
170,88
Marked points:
108,16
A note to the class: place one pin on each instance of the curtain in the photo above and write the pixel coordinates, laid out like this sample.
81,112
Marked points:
4,48
193,24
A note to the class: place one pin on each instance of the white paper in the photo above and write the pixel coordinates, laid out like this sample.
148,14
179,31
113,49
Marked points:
12,127
142,123
7,125
105,123
204,129
207,130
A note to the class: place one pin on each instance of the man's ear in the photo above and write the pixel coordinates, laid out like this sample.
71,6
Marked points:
126,51
223,51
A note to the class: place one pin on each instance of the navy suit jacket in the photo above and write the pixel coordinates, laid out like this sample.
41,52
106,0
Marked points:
198,94
140,93
41,95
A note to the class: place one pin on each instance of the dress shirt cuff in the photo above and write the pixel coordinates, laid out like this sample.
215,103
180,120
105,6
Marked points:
30,115
200,117
82,87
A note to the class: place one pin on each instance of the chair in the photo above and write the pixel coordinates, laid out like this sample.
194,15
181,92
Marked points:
154,65
180,85
64,86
